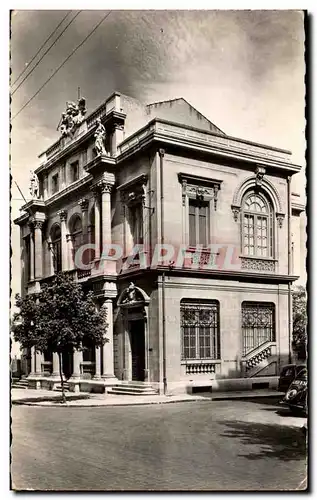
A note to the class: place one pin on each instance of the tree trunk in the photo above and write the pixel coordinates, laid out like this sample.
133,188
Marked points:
60,357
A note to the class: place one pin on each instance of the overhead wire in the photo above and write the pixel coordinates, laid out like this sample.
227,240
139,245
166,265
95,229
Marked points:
63,63
46,52
43,45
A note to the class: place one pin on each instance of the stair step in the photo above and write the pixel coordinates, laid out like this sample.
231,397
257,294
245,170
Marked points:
131,392
133,389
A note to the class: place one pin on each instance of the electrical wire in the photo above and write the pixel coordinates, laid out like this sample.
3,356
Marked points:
38,62
61,65
43,45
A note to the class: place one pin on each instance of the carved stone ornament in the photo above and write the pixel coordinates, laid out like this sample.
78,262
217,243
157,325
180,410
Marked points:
100,138
62,215
280,217
34,186
259,174
83,203
236,211
131,295
38,224
203,190
72,117
105,187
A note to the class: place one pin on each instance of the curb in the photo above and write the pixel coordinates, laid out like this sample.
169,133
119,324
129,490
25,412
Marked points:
140,403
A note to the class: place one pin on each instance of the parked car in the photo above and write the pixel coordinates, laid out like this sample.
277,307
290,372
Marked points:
296,396
287,375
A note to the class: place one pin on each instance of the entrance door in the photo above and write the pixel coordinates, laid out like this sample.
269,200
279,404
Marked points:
138,349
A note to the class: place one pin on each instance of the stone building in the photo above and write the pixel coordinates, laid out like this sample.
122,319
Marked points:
187,236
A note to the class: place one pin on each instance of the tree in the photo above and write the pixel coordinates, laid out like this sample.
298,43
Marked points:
300,321
61,318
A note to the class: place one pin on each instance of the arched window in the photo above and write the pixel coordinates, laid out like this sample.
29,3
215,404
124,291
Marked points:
56,247
76,233
257,225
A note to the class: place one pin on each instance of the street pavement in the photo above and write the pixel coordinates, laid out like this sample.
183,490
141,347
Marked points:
202,445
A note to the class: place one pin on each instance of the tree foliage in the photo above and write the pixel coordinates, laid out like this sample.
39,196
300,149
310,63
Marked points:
300,321
59,319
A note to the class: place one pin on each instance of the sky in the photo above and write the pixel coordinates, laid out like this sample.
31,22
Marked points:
244,70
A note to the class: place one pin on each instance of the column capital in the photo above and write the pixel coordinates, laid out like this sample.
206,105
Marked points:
62,215
83,203
105,187
161,152
37,224
69,237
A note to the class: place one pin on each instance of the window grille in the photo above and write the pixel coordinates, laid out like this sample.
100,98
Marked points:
200,330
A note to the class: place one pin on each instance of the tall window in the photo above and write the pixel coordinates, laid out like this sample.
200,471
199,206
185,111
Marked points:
74,171
200,330
198,222
55,183
136,222
257,226
258,324
76,232
56,248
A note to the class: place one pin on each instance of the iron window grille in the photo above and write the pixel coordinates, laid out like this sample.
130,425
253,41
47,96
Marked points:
258,324
200,330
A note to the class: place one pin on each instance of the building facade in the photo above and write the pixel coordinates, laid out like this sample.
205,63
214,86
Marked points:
183,233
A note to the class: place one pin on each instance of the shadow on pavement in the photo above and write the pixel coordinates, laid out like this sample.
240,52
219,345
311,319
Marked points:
273,441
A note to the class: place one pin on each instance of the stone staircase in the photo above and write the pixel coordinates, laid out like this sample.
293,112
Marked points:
259,358
19,383
133,389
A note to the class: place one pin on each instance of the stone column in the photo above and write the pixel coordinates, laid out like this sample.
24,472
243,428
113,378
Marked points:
97,224
69,246
32,361
31,252
98,364
38,250
38,363
106,188
77,360
107,362
55,372
83,203
63,216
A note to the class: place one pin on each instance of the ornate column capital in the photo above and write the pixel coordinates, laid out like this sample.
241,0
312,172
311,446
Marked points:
83,203
105,187
37,224
69,237
62,215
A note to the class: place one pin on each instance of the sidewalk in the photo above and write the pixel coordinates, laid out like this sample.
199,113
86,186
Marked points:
50,398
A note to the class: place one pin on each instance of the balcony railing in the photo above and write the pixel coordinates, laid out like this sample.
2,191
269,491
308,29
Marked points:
201,366
258,264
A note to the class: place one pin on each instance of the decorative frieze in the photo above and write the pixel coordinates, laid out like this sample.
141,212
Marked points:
257,264
200,188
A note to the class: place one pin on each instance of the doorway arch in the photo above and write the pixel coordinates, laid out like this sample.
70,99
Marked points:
133,306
